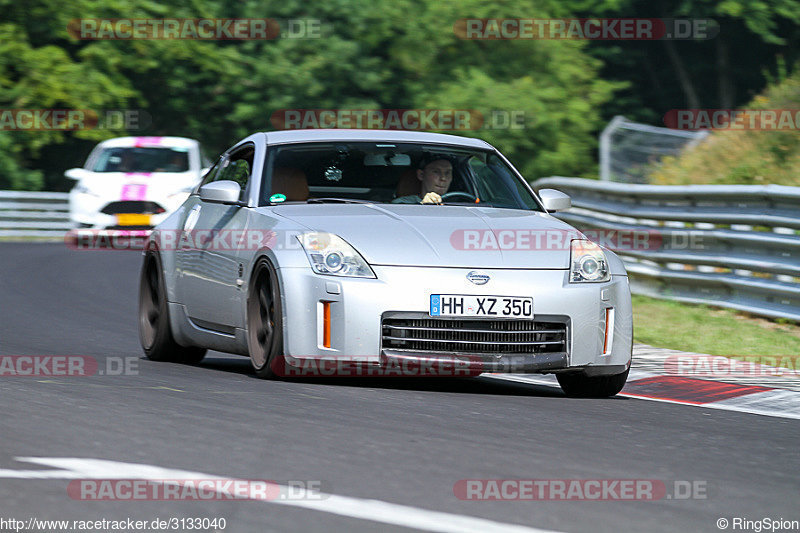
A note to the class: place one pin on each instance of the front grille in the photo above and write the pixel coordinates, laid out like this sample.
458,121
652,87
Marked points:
444,335
132,206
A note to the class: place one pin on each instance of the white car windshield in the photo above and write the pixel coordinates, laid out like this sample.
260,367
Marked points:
139,159
385,172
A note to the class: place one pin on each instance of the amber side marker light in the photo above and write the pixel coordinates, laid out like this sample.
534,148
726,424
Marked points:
326,324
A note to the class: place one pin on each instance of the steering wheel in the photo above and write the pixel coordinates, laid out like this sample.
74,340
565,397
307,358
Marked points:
449,195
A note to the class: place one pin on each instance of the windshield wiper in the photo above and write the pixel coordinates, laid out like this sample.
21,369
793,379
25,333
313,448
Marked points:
337,201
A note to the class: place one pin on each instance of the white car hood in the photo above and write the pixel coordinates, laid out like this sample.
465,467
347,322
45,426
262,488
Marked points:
144,186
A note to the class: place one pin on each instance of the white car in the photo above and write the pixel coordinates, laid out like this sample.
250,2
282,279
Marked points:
134,183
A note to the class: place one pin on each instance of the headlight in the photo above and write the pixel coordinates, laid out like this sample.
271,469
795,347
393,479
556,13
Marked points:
330,254
587,262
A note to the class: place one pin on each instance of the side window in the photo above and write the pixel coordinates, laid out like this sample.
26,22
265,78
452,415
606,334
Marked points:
209,176
497,185
238,168
238,171
483,176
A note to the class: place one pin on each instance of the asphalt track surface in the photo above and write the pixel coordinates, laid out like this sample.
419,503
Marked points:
400,441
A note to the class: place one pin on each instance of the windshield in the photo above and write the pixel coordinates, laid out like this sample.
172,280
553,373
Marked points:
137,159
391,173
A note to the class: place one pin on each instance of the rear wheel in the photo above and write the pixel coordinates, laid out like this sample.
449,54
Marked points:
155,333
582,386
265,321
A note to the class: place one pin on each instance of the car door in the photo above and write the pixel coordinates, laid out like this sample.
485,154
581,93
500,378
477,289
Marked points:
210,269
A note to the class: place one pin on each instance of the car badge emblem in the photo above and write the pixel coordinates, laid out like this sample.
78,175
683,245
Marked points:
477,278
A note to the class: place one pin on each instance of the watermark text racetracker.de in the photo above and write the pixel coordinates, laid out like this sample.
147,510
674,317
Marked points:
73,119
399,119
355,366
210,29
480,239
523,239
212,489
38,366
733,366
106,524
601,29
172,240
579,489
733,119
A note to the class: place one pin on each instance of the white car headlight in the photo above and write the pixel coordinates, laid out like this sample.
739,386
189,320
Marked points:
587,262
330,254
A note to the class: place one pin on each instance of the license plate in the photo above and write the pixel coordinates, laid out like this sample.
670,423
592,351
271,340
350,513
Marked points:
482,306
133,219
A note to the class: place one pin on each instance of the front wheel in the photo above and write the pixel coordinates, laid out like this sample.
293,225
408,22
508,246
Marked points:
265,321
581,386
155,333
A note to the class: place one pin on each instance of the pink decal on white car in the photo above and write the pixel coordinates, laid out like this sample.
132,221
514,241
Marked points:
134,191
147,141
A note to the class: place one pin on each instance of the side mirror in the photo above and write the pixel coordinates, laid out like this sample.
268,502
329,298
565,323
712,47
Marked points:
75,173
221,192
554,200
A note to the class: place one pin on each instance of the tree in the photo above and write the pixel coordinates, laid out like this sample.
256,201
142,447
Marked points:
373,54
723,72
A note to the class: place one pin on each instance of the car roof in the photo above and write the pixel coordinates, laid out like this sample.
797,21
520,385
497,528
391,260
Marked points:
400,136
167,142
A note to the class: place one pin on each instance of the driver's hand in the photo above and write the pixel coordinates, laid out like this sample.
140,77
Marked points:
432,198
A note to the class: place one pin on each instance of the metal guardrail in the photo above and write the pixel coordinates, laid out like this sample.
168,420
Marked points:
735,246
34,214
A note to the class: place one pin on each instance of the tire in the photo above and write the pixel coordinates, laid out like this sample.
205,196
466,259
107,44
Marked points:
155,333
265,322
578,385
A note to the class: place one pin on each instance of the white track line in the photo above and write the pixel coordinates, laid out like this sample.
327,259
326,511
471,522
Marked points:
363,509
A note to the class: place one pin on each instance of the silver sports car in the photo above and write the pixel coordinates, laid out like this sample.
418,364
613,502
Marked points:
383,253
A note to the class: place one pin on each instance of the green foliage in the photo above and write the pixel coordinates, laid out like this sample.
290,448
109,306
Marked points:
761,17
755,37
743,157
12,175
374,54
553,84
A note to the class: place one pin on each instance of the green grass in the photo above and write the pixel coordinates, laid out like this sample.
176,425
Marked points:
704,329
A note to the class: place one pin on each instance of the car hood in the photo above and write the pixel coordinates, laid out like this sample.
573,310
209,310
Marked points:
138,185
448,236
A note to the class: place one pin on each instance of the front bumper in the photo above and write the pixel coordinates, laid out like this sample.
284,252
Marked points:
357,307
86,212
478,363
